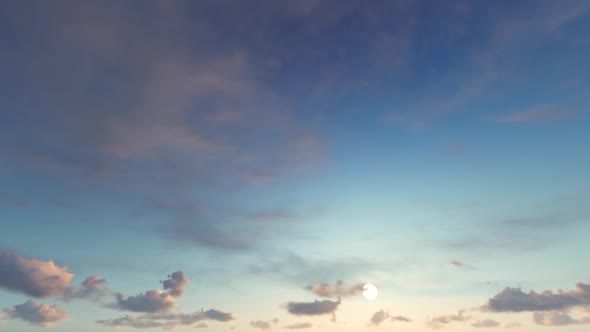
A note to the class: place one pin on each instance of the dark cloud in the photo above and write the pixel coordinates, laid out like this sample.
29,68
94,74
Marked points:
486,323
264,324
32,277
299,326
440,321
313,308
36,313
150,301
400,319
169,320
515,300
175,283
379,317
339,289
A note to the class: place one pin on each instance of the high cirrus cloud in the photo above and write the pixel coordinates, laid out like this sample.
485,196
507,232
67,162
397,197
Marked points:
31,276
36,313
339,289
515,300
168,320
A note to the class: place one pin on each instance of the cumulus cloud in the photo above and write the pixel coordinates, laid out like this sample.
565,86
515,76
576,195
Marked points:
155,301
515,300
93,287
440,321
32,277
36,313
175,283
169,320
299,326
559,318
150,301
400,319
263,324
313,308
379,317
486,323
339,289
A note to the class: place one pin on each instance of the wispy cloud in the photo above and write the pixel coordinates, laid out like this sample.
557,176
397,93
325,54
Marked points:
438,322
544,114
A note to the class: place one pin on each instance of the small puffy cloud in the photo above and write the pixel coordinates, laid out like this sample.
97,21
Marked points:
456,263
155,301
515,300
400,319
93,287
36,313
175,283
440,321
379,317
263,324
299,326
150,301
339,289
313,308
201,326
169,320
32,277
486,323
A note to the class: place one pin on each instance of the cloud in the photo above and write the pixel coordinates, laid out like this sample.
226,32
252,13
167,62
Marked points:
37,314
263,324
150,301
175,284
400,319
559,318
535,115
32,277
155,301
515,300
440,321
313,308
93,287
299,326
169,320
486,323
511,325
336,290
379,317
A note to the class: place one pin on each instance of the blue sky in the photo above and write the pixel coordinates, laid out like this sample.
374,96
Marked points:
279,155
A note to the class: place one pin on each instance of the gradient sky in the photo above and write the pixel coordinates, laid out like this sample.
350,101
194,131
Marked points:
275,153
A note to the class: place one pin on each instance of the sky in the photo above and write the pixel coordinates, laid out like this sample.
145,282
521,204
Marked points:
251,165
